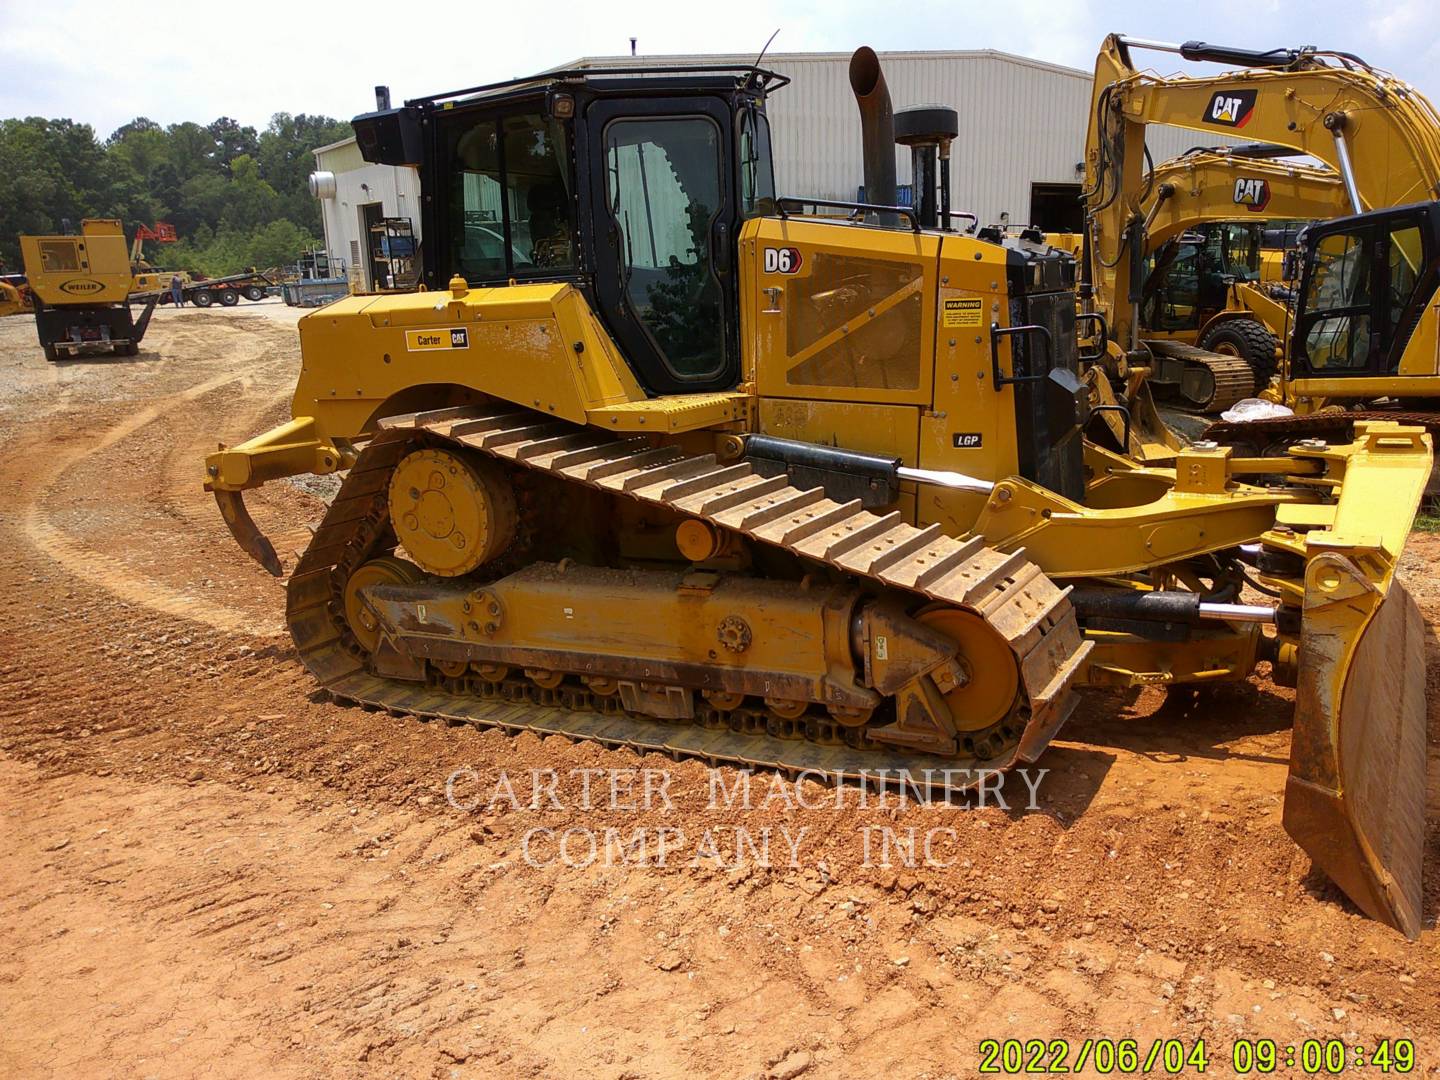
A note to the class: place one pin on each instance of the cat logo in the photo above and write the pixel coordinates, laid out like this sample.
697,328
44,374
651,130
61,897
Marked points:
81,287
429,340
785,260
1230,108
1252,193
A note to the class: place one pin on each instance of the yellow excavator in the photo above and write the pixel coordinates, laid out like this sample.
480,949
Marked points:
665,461
1380,136
1203,288
1202,282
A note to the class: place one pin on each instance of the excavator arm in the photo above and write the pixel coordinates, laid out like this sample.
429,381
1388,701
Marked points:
1222,185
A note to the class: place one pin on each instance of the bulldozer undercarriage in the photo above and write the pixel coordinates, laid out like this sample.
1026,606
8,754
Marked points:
864,648
497,567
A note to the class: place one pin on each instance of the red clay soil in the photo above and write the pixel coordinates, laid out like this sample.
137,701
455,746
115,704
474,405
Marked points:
211,870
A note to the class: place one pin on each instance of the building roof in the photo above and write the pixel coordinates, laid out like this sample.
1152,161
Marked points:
775,60
333,146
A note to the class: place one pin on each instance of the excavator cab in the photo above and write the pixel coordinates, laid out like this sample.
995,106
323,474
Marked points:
1364,295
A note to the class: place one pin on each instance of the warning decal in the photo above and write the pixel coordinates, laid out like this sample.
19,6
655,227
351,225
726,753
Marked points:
457,337
964,311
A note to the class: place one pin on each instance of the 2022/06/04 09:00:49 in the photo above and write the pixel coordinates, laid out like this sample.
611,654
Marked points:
1257,1057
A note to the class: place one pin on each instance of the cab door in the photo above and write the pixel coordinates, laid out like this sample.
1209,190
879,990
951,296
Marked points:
1367,283
664,221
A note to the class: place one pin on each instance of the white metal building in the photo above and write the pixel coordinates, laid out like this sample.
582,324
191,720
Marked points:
1019,152
359,195
1022,124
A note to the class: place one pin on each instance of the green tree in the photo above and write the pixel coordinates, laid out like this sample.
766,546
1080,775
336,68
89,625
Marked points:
236,197
53,173
229,140
287,159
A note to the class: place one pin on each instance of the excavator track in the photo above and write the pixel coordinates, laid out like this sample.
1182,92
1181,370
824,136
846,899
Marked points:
1334,427
1230,378
1024,607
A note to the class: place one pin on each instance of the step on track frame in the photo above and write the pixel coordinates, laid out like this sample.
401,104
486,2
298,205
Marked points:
1027,609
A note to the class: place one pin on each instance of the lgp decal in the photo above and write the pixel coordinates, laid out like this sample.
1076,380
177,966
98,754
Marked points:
967,440
1230,108
1252,193
457,337
81,287
963,311
786,260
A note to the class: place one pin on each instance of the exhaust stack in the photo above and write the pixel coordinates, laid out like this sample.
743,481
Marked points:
877,129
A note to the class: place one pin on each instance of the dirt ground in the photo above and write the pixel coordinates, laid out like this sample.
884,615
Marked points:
210,870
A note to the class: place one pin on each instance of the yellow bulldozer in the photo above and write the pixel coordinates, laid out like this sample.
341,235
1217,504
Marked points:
662,460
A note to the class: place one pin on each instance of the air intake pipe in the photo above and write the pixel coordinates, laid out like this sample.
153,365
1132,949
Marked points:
877,129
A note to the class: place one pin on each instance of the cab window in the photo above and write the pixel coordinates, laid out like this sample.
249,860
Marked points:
512,205
540,201
1338,300
757,170
663,188
1405,259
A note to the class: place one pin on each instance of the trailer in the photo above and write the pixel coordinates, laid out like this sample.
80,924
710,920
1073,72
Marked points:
225,291
315,280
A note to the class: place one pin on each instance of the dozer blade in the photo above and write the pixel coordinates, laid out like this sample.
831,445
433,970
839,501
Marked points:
246,533
1355,796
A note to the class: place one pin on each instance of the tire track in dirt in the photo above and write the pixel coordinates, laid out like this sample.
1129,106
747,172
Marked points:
108,573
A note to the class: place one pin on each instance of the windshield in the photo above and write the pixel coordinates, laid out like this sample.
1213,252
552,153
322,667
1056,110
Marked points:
1234,250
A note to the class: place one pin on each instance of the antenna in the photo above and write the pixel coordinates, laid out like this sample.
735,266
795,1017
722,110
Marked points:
766,48
632,46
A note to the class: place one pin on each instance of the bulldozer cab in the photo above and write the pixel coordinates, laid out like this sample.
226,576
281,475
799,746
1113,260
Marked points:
629,183
1366,284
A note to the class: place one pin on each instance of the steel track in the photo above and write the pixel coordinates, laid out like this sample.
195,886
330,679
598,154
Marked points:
1234,380
1025,608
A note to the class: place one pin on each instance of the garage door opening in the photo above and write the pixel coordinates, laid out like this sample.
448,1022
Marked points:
1056,208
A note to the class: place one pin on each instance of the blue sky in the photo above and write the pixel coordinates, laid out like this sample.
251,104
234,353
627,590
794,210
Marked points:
105,63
